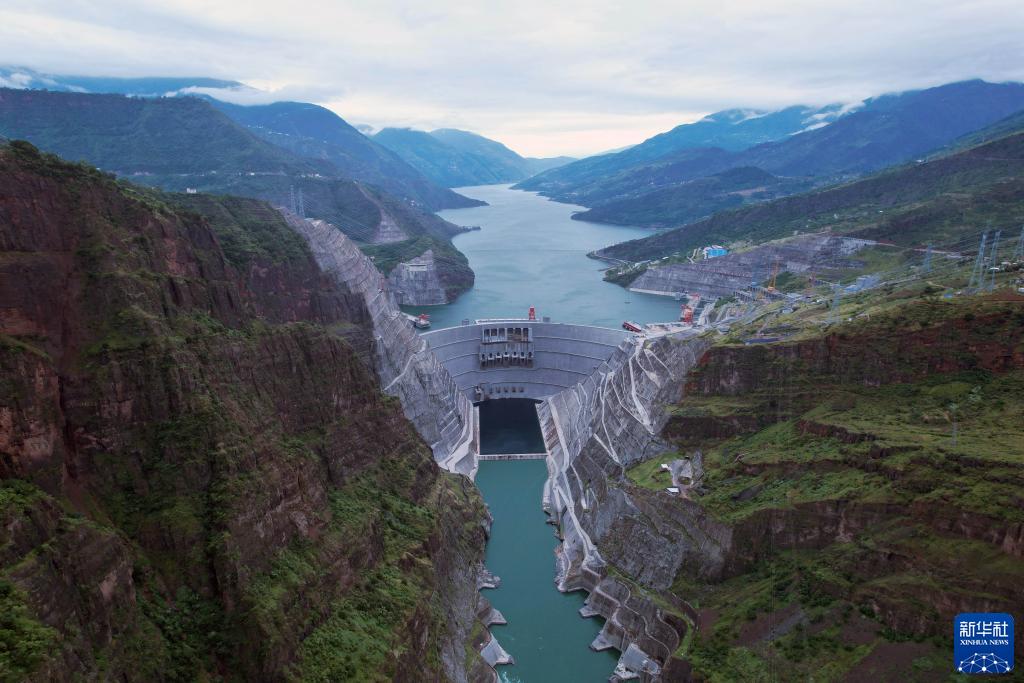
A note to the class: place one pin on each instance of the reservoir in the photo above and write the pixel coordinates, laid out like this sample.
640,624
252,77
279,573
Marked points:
529,252
547,637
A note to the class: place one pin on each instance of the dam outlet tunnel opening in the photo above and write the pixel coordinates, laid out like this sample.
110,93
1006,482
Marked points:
509,426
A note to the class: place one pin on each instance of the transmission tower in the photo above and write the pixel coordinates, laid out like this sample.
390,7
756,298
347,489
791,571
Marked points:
993,260
1018,253
979,264
926,267
291,197
302,205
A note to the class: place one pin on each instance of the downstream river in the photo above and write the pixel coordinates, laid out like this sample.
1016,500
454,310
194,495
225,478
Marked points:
528,252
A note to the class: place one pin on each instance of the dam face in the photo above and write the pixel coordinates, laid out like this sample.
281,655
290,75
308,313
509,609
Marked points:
518,358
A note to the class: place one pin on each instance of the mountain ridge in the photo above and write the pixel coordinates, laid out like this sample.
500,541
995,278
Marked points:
887,130
934,200
185,144
458,158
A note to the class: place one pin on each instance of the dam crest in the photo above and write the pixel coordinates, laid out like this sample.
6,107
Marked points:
521,358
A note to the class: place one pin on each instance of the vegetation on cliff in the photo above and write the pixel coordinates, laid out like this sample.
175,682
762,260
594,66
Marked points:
867,474
201,477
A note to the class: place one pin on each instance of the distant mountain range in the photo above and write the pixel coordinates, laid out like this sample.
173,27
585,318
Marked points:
630,187
310,131
938,200
22,77
315,132
729,130
177,143
456,158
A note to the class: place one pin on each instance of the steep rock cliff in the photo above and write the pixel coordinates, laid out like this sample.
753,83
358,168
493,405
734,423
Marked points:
406,366
200,474
416,283
860,489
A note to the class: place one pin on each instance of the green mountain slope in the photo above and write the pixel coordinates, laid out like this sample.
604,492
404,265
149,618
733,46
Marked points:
937,200
313,132
184,143
690,201
152,136
174,487
456,158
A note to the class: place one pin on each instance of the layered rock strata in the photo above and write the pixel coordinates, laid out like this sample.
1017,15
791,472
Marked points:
199,474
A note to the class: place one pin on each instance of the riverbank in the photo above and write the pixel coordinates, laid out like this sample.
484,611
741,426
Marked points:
529,252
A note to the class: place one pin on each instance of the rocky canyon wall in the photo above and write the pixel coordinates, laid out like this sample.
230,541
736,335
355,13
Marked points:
406,366
593,431
200,476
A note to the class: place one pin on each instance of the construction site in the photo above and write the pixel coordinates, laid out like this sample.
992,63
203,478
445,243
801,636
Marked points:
745,271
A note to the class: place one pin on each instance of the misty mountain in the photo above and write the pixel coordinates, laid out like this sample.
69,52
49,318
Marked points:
887,130
455,158
307,129
728,130
316,132
21,77
937,200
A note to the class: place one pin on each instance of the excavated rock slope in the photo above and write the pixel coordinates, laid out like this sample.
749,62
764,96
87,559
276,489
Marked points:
416,283
406,366
840,496
199,474
724,275
594,431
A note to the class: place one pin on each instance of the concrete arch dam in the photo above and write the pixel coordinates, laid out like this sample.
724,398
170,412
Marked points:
518,358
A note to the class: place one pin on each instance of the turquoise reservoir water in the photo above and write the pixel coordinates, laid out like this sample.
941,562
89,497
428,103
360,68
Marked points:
545,634
528,252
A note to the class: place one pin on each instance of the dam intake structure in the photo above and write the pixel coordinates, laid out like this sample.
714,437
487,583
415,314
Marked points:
521,358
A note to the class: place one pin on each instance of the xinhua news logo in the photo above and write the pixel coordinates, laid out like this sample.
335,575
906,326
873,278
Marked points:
983,643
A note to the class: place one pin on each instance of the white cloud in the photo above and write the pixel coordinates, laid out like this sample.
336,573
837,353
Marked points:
545,78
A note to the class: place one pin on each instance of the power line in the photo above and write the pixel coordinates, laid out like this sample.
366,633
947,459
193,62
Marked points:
979,260
992,260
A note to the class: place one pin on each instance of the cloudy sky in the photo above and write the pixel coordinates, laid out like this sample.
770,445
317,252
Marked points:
545,77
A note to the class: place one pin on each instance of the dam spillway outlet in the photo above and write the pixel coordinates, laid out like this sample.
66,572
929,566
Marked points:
509,426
